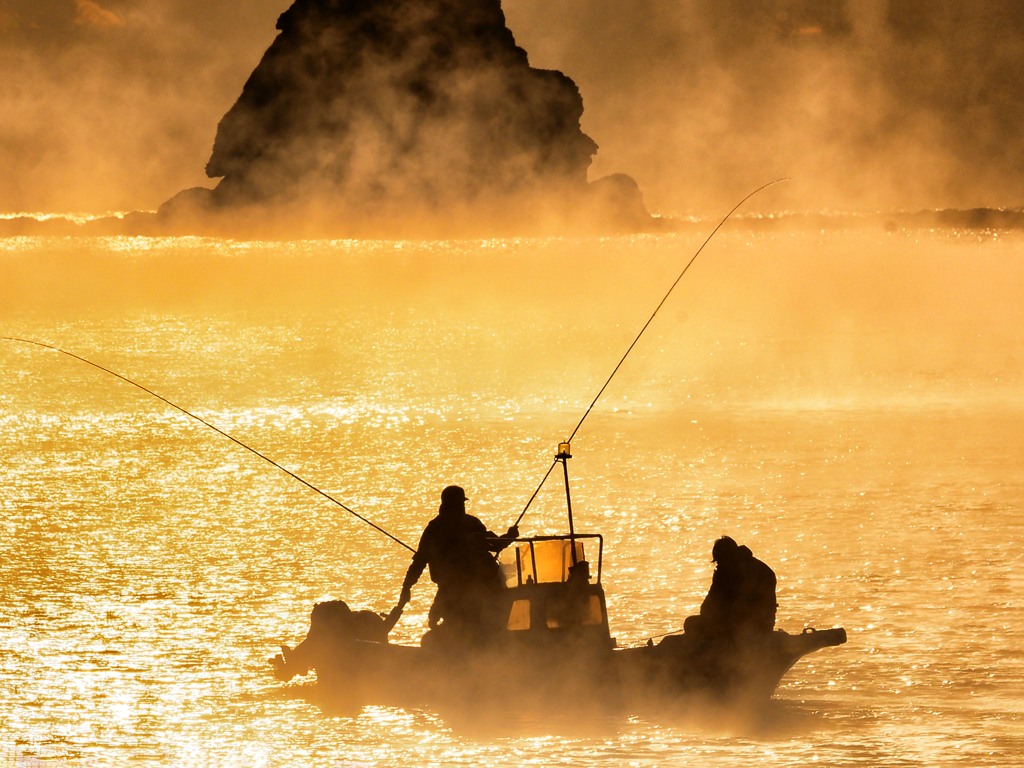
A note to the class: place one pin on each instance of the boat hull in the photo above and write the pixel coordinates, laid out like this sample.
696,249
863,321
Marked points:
567,670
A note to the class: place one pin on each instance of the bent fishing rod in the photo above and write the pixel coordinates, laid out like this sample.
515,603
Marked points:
215,428
563,448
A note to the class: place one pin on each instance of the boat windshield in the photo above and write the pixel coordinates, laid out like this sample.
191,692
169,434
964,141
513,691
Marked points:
550,559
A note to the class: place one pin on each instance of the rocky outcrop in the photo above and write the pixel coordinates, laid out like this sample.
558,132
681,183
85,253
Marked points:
370,115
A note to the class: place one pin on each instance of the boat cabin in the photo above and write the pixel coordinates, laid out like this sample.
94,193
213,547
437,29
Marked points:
555,594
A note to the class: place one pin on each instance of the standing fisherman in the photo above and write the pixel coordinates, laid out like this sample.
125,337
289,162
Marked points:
460,552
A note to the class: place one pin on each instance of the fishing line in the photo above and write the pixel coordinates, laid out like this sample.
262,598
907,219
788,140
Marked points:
641,333
216,429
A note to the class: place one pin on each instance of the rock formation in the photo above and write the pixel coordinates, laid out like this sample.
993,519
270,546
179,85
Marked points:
384,115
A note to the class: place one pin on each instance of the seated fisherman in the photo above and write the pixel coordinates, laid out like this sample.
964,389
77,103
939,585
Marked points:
459,551
741,602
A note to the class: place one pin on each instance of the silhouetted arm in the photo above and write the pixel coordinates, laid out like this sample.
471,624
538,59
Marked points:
497,543
420,559
412,576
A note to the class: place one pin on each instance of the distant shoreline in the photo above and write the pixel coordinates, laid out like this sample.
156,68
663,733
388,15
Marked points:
151,224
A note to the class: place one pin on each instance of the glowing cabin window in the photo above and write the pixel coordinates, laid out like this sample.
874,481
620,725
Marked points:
594,615
519,616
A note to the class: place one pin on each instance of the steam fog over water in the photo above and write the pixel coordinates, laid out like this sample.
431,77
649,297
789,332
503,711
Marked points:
865,104
847,403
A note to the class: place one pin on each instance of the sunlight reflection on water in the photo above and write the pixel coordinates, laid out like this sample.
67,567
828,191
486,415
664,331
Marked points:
150,567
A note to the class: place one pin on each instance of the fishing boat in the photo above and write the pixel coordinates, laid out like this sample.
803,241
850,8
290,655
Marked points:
556,646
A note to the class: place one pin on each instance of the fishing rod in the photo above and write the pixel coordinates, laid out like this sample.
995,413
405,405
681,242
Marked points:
563,448
216,429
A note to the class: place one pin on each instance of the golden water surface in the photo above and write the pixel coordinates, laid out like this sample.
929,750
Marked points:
848,403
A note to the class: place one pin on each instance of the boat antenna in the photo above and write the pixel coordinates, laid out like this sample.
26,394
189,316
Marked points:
637,339
216,429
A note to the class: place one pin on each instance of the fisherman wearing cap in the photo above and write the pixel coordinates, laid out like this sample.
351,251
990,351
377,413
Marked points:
460,551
